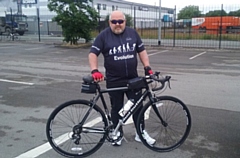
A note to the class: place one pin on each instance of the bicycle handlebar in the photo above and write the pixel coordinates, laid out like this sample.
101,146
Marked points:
162,80
88,79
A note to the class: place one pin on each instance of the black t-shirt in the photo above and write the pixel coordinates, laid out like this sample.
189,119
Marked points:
120,53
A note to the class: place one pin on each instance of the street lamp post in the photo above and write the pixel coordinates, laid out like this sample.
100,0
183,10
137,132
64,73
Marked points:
38,21
19,7
11,34
159,24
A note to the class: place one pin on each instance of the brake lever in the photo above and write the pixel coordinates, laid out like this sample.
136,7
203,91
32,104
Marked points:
169,84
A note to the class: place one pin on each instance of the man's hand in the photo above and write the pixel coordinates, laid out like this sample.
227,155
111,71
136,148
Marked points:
97,76
148,70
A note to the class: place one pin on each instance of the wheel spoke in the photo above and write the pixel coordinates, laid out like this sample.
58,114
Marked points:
173,130
65,134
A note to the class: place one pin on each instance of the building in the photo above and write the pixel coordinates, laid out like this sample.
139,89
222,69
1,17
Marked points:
146,15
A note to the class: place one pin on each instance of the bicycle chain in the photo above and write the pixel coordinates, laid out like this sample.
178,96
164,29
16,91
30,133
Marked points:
109,131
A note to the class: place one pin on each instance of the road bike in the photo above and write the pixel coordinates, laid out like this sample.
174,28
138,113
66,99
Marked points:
13,36
78,128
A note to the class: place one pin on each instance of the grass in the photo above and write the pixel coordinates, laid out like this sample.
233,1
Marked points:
183,34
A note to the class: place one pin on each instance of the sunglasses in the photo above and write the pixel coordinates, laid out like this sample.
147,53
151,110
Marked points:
117,21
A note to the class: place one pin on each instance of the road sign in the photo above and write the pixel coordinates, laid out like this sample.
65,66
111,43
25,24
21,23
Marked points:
27,1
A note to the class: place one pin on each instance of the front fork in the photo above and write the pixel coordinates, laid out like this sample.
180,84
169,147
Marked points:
155,109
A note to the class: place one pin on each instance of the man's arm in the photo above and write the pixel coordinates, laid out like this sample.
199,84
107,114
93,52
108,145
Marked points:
145,61
93,61
144,58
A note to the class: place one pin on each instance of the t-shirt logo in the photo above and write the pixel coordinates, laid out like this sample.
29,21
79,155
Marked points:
122,49
128,39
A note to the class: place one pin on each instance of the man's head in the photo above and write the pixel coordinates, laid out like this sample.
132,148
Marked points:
117,22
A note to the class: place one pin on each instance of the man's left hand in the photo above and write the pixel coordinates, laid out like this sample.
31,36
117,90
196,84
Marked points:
148,70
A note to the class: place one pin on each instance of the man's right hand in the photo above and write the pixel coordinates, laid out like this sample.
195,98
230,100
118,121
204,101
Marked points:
97,76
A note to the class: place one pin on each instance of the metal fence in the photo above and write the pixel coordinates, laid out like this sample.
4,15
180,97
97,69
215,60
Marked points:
174,32
46,28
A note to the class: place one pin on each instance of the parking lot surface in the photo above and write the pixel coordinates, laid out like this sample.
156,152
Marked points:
35,78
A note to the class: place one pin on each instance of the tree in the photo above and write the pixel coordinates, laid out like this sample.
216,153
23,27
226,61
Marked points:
77,18
129,20
189,12
234,13
216,13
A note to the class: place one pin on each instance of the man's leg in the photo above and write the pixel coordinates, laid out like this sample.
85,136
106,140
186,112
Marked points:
136,95
116,99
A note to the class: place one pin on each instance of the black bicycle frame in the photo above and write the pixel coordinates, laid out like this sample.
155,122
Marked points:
131,111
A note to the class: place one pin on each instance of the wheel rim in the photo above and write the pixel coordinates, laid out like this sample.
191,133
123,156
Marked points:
62,138
174,129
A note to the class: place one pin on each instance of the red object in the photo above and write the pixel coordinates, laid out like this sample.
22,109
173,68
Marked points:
97,75
212,25
150,72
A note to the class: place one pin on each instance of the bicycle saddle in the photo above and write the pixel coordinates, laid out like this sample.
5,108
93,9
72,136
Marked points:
88,79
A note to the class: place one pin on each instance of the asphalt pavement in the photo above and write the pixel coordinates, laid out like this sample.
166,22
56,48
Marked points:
37,77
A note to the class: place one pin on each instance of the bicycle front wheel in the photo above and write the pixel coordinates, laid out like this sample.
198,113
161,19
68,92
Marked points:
76,129
168,121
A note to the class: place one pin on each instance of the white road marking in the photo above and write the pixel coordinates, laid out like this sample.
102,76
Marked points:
35,48
146,116
197,55
158,52
35,152
5,47
18,82
6,44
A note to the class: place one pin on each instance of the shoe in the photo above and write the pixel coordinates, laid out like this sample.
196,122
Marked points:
118,143
149,140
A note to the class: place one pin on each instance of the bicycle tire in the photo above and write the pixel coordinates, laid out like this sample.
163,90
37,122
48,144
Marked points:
60,124
16,38
176,130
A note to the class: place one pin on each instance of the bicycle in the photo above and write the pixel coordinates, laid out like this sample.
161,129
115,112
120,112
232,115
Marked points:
78,128
13,36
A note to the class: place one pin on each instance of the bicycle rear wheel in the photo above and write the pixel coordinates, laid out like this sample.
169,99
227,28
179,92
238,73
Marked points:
172,130
70,139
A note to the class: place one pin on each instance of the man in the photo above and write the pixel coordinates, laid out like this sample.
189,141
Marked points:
120,46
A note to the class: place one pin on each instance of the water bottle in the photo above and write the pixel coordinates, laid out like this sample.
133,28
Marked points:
126,107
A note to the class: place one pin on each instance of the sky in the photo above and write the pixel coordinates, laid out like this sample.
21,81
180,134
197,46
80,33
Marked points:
182,3
204,5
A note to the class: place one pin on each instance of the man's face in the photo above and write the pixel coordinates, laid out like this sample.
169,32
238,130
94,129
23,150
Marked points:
117,23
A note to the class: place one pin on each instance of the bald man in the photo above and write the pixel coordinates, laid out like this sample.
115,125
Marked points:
120,47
